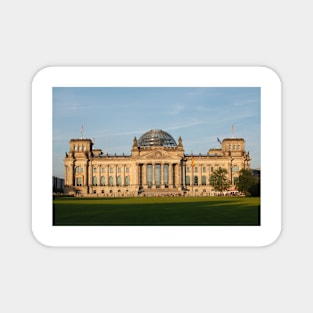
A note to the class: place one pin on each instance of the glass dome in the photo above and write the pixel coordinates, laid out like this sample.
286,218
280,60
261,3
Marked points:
156,137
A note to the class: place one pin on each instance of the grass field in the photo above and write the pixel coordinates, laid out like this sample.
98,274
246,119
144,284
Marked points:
221,211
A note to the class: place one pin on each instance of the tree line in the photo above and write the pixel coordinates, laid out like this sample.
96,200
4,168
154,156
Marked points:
247,183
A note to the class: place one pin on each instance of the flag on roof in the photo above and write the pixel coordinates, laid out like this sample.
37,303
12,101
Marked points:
219,140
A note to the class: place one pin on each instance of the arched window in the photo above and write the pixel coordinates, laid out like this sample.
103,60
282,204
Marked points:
196,180
119,181
102,181
79,181
111,181
127,181
94,180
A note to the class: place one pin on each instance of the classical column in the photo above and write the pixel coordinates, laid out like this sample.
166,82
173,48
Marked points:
116,174
85,171
162,175
144,175
123,175
177,178
170,175
90,171
192,175
139,173
107,174
99,175
69,174
72,176
183,173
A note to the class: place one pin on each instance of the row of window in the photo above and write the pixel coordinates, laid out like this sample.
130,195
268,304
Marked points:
111,181
196,169
203,180
233,147
80,148
80,169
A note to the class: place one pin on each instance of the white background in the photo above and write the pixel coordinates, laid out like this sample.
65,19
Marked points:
35,34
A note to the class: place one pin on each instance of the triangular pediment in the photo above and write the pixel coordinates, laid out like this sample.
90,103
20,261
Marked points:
159,154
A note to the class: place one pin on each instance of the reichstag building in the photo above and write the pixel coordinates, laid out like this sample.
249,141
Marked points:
157,166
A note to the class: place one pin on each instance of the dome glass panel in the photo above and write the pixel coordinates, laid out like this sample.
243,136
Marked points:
156,137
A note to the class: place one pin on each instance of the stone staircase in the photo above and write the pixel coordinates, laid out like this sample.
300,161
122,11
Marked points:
160,192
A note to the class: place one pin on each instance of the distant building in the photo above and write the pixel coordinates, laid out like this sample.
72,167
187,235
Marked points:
157,166
57,184
256,173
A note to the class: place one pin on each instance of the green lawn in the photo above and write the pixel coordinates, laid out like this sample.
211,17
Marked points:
178,211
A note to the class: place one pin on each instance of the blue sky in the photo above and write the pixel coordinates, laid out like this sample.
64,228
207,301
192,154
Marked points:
112,117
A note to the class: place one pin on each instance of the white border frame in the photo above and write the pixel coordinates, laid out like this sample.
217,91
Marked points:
162,236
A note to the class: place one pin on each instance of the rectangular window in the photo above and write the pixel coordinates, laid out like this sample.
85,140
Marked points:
79,181
188,180
95,170
127,170
102,169
165,175
111,169
187,169
149,175
119,170
157,175
203,180
79,169
235,168
203,169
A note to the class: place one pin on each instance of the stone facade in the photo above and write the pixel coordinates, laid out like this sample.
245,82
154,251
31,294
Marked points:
150,170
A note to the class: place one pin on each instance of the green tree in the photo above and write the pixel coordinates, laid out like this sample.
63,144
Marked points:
246,182
219,180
